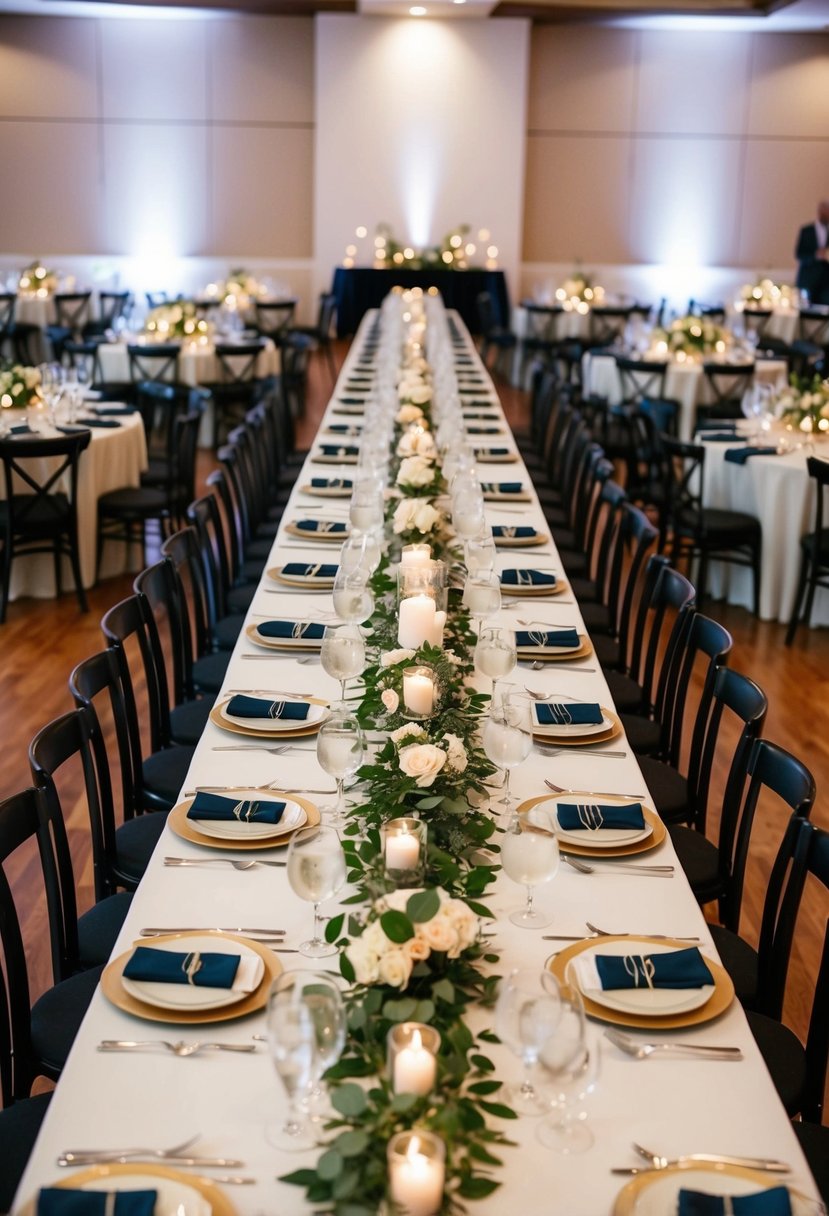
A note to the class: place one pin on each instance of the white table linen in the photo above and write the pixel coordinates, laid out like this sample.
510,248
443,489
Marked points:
676,1105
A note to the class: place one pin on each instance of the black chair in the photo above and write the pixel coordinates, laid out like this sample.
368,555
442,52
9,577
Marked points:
711,312
71,314
208,665
318,335
633,539
606,325
17,338
236,386
45,518
540,339
706,533
113,306
156,363
156,298
274,318
814,561
724,386
493,335
293,382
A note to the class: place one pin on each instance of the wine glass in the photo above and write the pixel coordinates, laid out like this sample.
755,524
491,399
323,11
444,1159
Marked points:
292,1044
754,404
529,855
319,993
526,1015
340,749
316,871
507,736
366,508
343,654
353,598
479,553
468,514
482,595
570,1060
495,654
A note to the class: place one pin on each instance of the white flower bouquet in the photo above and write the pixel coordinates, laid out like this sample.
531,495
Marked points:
178,319
691,336
804,405
36,279
19,386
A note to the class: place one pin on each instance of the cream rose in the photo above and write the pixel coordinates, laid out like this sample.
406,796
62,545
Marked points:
439,934
423,761
410,730
396,656
416,394
425,516
415,471
455,753
416,442
417,948
364,961
390,700
395,968
408,414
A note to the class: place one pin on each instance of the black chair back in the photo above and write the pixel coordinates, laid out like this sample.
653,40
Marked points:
158,362
274,317
72,309
641,379
236,362
607,325
19,824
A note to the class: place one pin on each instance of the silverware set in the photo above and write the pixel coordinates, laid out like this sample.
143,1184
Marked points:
643,1051
612,866
238,863
261,935
178,1048
655,1161
595,931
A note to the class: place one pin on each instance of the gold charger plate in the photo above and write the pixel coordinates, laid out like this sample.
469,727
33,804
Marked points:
486,458
521,542
183,827
300,733
294,580
519,591
220,1205
717,1003
280,643
626,1201
656,837
113,989
564,656
521,496
324,537
334,459
571,740
327,491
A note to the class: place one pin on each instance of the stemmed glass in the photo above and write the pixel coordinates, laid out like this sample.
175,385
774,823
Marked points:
482,595
479,553
507,736
316,871
495,654
526,1015
366,508
531,857
570,1060
340,750
292,1044
343,654
468,514
320,994
353,598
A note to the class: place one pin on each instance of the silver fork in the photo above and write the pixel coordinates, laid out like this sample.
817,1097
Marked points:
658,937
618,866
252,864
554,750
643,1051
537,665
308,660
250,747
178,1048
758,1163
558,789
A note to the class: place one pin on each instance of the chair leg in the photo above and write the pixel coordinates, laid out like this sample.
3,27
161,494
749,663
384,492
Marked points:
702,576
332,363
798,600
810,596
80,590
755,566
7,567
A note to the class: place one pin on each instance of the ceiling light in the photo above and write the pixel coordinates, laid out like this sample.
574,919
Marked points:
417,10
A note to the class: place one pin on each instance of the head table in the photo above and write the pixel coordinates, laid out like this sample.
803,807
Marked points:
154,1098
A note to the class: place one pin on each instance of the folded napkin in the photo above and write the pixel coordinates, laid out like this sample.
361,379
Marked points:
741,455
352,400
114,411
527,578
322,525
675,969
592,816
241,706
774,1202
249,810
472,388
199,968
74,429
547,637
343,428
330,449
483,430
719,424
22,428
553,713
510,532
483,452
312,630
54,1201
331,483
103,423
720,437
310,570
502,487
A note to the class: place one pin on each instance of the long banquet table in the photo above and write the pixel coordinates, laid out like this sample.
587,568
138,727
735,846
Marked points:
154,1098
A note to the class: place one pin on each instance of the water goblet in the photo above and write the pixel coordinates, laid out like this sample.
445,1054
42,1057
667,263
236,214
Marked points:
570,1061
343,654
529,855
292,1044
526,1015
507,736
480,553
320,994
340,749
468,515
495,654
482,595
316,871
366,508
352,596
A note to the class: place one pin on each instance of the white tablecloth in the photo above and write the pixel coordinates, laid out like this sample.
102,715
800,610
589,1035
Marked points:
684,383
153,1098
779,491
114,458
196,364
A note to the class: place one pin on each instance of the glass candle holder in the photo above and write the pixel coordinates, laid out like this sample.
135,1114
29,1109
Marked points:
412,1049
422,592
420,692
417,1170
413,556
404,851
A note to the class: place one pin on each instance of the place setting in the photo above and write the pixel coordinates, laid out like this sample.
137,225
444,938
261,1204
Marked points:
287,717
142,1189
495,456
505,491
531,581
714,1187
327,531
552,644
518,536
567,721
310,576
242,819
281,634
599,825
328,487
330,453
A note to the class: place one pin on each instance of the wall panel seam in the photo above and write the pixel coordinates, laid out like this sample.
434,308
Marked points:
158,122
553,133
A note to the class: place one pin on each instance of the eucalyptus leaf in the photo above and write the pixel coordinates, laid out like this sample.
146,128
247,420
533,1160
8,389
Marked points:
348,1099
330,1165
397,926
423,906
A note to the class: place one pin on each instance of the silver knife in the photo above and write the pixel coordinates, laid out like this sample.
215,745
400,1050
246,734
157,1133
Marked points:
82,1158
753,1163
213,929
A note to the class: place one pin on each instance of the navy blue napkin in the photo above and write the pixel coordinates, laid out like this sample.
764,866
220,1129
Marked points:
502,487
249,810
527,578
203,969
547,637
312,630
103,423
330,449
553,713
676,969
342,428
71,430
509,532
322,526
483,430
241,706
331,483
310,570
774,1202
720,437
114,411
741,455
574,817
54,1201
22,428
484,452
352,400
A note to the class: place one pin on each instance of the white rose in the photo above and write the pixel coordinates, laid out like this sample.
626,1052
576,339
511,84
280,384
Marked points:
364,961
417,948
425,516
416,442
32,377
374,938
390,700
395,968
419,394
453,658
409,413
17,389
403,515
463,920
423,761
395,900
411,729
415,471
455,753
439,934
396,656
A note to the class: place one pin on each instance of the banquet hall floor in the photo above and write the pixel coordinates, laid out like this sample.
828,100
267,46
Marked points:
43,639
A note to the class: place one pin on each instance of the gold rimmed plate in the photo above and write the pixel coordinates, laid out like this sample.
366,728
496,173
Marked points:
112,983
520,590
338,458
308,582
259,639
654,1192
177,1191
486,457
521,542
187,829
294,731
716,1003
320,536
496,496
654,838
581,736
555,654
327,491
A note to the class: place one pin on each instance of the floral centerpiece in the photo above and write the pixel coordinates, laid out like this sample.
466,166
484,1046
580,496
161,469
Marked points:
804,405
19,386
240,289
690,337
453,252
579,293
36,279
178,319
765,293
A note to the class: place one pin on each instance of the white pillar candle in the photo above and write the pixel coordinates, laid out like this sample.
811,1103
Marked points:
416,1181
414,556
402,853
416,621
419,693
415,1068
437,633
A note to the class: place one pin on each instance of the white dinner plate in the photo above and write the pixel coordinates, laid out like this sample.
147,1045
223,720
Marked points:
310,582
661,1194
174,1198
189,996
274,643
603,838
531,652
233,829
316,713
594,728
643,1002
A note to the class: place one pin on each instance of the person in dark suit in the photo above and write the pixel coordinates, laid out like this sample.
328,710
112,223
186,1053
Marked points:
813,257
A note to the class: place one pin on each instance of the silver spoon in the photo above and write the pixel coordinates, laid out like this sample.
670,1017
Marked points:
618,866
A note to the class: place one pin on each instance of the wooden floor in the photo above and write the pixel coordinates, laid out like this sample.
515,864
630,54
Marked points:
42,640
